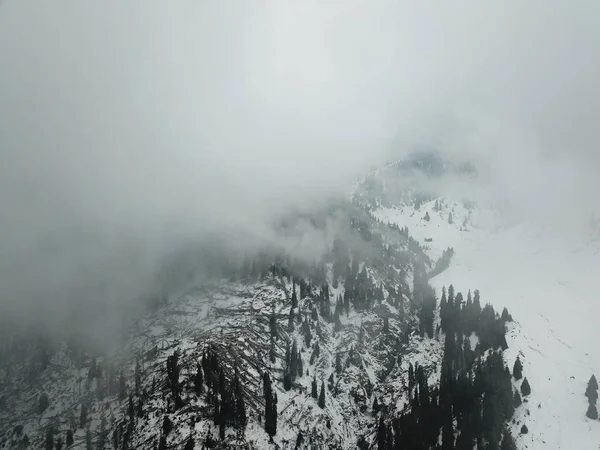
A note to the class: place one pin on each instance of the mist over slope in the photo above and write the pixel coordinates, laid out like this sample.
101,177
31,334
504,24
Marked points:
544,273
132,131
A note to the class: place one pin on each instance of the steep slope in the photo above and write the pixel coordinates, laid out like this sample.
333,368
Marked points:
345,322
547,282
346,350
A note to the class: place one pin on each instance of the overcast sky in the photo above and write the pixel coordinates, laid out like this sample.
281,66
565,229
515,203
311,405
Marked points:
130,127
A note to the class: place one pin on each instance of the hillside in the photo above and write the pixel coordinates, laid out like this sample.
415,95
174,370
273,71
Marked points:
547,282
370,345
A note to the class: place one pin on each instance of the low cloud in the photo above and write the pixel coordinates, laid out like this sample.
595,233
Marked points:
130,129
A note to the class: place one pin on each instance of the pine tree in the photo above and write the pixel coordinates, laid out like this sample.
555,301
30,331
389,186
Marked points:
291,321
138,377
294,360
270,407
450,219
508,442
299,440
592,412
83,417
69,438
103,434
92,371
448,434
314,388
140,408
381,435
525,388
88,439
130,408
272,351
287,380
294,297
122,387
375,405
506,317
518,369
49,444
167,426
427,218
517,400
162,443
43,403
198,380
592,390
321,401
241,418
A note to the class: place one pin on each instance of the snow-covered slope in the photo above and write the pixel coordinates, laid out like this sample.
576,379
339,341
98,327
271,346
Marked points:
548,282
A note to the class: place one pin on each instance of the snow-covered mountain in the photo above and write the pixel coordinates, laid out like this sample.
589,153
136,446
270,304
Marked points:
547,280
350,350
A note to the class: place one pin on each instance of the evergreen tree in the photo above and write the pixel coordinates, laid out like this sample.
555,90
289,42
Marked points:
375,405
49,444
167,426
287,380
198,380
591,391
450,219
130,408
140,408
518,369
138,377
43,403
270,406
69,438
88,439
321,401
103,434
508,442
122,387
517,400
381,435
427,218
294,297
241,418
448,434
506,317
525,388
299,440
314,388
272,351
92,370
294,360
83,417
592,412
291,321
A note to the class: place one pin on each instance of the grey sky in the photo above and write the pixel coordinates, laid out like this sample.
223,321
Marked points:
129,127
